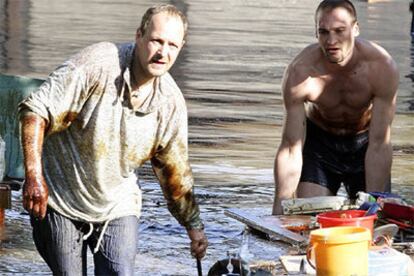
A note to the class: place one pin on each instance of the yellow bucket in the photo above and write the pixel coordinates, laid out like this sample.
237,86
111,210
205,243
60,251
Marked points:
340,251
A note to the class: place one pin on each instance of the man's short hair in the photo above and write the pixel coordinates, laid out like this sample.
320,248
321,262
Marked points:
169,9
332,4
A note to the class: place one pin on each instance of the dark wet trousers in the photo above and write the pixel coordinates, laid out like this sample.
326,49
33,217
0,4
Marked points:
59,241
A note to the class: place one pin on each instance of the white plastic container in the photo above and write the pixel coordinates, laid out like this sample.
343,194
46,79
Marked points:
388,261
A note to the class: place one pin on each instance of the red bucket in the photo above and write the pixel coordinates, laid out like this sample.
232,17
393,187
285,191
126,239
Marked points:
346,218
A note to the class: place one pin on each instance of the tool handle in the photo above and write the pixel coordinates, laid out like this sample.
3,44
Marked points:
199,270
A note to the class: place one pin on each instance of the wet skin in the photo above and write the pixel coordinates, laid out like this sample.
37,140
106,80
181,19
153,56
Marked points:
35,191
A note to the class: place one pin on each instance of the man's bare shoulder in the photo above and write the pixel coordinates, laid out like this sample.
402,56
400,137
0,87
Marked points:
302,72
307,59
374,54
382,69
306,64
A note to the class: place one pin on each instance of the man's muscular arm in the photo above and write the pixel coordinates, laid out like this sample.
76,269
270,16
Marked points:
378,158
288,161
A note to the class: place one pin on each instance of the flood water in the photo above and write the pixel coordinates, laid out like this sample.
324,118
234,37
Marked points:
230,73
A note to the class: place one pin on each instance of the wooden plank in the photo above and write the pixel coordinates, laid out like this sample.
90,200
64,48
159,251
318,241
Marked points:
295,223
265,226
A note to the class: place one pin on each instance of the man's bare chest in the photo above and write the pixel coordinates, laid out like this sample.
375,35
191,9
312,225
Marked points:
341,92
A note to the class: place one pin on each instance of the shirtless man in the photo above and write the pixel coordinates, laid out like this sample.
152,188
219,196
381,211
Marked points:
339,93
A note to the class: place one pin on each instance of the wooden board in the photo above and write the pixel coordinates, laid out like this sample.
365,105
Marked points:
295,223
266,225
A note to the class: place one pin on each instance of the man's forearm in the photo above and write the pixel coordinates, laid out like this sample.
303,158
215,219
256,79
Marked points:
33,129
378,161
186,211
288,165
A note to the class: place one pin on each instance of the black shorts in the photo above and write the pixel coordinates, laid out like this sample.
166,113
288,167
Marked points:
330,160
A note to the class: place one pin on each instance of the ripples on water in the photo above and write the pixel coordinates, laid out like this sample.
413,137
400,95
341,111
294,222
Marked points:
230,72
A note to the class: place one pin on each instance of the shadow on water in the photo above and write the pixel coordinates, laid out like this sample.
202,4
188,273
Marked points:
230,72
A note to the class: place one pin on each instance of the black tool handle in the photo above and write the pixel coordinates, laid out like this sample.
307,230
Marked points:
200,272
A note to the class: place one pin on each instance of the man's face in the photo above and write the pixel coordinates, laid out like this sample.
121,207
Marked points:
159,47
336,31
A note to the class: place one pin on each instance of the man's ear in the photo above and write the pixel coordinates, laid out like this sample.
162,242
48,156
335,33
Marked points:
356,29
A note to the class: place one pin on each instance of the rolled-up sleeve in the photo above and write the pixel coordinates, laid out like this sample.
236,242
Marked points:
173,170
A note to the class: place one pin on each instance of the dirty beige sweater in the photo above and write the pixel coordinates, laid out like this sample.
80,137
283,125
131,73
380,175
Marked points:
96,139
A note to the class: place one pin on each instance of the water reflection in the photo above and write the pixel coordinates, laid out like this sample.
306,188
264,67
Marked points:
14,19
230,72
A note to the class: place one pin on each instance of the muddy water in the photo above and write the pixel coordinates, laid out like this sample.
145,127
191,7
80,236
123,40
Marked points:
230,73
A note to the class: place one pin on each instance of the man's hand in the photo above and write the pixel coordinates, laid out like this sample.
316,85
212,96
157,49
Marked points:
199,242
35,195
